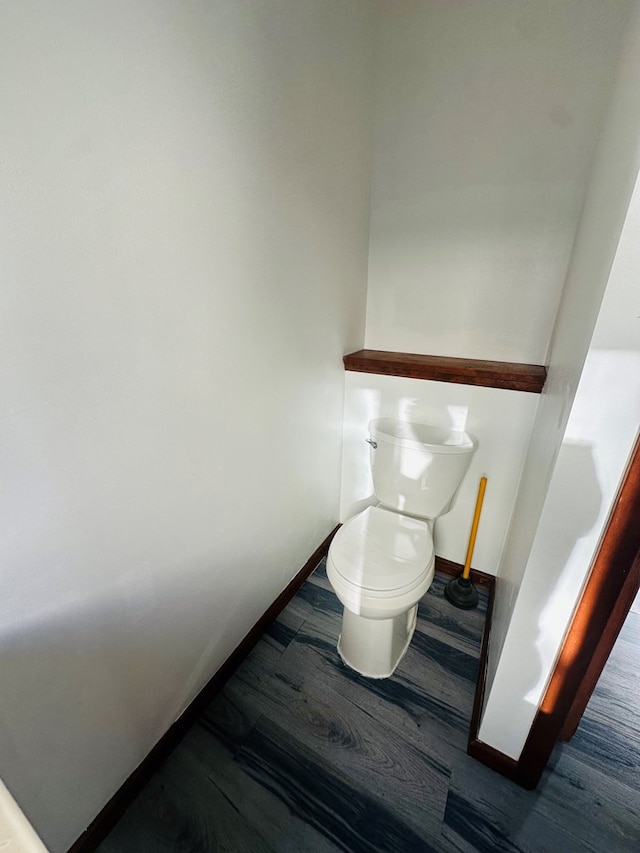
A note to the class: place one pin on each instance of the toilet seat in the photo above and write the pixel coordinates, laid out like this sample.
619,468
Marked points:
382,551
381,563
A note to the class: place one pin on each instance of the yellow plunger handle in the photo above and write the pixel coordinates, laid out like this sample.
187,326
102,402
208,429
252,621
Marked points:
474,528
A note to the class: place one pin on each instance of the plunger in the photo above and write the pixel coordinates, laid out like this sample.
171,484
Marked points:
460,591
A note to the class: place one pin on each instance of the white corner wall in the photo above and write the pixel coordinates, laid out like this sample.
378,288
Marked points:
16,833
598,440
184,224
486,119
501,420
585,429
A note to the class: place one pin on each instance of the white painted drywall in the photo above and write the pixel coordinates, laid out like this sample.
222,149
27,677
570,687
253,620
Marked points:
16,833
501,420
487,115
536,605
184,222
606,205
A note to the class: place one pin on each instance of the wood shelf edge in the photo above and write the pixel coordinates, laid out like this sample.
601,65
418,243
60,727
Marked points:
512,376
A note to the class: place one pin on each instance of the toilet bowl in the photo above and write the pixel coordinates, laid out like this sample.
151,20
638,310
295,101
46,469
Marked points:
381,561
380,564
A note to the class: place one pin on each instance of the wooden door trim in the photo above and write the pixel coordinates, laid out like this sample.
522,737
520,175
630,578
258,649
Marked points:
606,600
605,644
604,605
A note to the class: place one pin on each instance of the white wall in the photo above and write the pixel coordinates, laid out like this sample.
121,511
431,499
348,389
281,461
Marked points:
596,430
599,437
606,206
184,228
487,116
16,833
501,420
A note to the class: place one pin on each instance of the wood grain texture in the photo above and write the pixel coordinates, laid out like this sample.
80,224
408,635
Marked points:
300,753
448,567
617,567
463,371
475,745
607,598
605,606
580,810
590,796
313,756
116,806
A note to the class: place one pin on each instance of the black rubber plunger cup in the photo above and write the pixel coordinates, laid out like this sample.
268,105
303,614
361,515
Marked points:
460,591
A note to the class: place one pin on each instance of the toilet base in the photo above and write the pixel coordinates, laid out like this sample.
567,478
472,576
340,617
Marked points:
375,647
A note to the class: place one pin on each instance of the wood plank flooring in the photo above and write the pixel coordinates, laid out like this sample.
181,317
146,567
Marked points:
300,753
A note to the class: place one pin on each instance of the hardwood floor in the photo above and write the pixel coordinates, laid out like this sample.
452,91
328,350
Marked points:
299,753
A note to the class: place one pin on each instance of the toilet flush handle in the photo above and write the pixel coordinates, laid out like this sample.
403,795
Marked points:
373,443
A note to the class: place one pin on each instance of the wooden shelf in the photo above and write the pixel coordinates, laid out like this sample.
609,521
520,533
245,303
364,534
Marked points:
463,371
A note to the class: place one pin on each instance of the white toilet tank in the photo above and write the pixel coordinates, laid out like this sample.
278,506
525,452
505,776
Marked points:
418,468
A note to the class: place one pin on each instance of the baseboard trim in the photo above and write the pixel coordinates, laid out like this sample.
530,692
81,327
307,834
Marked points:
107,818
516,770
478,698
498,761
483,579
494,759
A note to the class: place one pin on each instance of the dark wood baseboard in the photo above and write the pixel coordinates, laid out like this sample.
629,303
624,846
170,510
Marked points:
498,761
476,748
483,579
482,752
104,822
493,758
611,588
478,698
512,376
100,827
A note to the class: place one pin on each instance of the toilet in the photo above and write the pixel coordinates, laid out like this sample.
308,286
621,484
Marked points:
381,562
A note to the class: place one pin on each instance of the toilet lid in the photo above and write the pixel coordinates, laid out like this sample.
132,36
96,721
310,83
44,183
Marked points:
381,550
